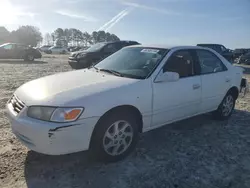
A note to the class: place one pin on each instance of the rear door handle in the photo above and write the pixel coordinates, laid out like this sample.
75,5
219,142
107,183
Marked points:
228,80
196,86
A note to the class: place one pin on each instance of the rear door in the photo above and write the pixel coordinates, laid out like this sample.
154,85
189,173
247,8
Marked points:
214,78
19,51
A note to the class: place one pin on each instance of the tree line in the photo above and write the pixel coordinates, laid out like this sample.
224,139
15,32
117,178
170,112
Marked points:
75,37
30,35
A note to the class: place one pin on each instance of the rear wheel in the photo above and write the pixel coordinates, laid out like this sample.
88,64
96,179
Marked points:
114,137
226,107
29,57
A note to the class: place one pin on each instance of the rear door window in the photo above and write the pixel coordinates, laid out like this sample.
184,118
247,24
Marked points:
209,62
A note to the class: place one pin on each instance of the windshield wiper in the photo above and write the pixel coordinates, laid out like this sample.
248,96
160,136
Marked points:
93,66
112,72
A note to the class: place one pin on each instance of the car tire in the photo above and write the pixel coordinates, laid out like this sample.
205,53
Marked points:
226,107
29,57
114,137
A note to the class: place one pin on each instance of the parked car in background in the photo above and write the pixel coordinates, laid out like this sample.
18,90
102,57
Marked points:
57,50
244,59
19,51
239,52
226,53
154,86
74,48
44,48
97,52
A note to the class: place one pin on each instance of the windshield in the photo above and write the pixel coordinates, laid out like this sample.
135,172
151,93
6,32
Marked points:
136,62
95,47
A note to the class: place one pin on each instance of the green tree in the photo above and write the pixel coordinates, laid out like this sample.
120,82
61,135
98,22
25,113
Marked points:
59,33
4,35
28,35
47,39
86,39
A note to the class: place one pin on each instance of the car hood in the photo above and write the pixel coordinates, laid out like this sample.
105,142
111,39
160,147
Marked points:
60,89
82,52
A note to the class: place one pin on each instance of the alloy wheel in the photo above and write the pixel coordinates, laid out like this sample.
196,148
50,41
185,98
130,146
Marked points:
227,105
118,138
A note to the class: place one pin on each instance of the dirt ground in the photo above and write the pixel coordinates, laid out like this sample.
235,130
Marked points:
198,152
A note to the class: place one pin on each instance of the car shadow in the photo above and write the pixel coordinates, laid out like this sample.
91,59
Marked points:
193,151
7,61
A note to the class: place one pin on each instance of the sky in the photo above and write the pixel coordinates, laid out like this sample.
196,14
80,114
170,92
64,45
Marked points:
164,22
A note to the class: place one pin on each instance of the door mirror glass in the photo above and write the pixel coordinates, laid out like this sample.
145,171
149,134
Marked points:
168,77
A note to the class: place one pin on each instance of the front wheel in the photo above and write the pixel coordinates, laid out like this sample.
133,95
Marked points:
115,137
226,107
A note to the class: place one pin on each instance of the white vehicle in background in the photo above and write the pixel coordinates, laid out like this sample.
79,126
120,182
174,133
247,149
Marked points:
44,48
137,89
57,50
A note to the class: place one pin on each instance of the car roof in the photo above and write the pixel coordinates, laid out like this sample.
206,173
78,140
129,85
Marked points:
13,43
168,47
120,41
210,44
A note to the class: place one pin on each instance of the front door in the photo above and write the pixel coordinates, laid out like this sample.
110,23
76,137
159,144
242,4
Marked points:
214,78
19,51
177,100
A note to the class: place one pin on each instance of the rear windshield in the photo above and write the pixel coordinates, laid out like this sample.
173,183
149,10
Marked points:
96,47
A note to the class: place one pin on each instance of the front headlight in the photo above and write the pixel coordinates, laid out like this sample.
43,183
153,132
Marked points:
81,55
54,114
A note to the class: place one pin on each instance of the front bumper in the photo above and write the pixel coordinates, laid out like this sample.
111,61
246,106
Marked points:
51,138
78,63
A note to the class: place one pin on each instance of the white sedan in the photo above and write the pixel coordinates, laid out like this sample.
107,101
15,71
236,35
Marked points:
137,89
57,50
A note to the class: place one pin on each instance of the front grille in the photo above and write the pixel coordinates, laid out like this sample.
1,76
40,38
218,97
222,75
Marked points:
17,104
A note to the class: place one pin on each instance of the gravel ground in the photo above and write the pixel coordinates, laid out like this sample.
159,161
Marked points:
198,152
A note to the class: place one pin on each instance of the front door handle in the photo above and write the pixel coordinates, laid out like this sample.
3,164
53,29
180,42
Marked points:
196,86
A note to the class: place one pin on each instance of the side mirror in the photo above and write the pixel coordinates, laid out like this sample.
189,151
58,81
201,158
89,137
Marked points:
167,77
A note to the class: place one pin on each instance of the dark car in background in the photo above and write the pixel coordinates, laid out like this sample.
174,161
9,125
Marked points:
96,53
239,52
244,59
19,51
74,48
222,50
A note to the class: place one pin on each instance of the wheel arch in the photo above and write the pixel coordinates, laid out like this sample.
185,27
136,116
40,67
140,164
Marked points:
235,91
120,109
